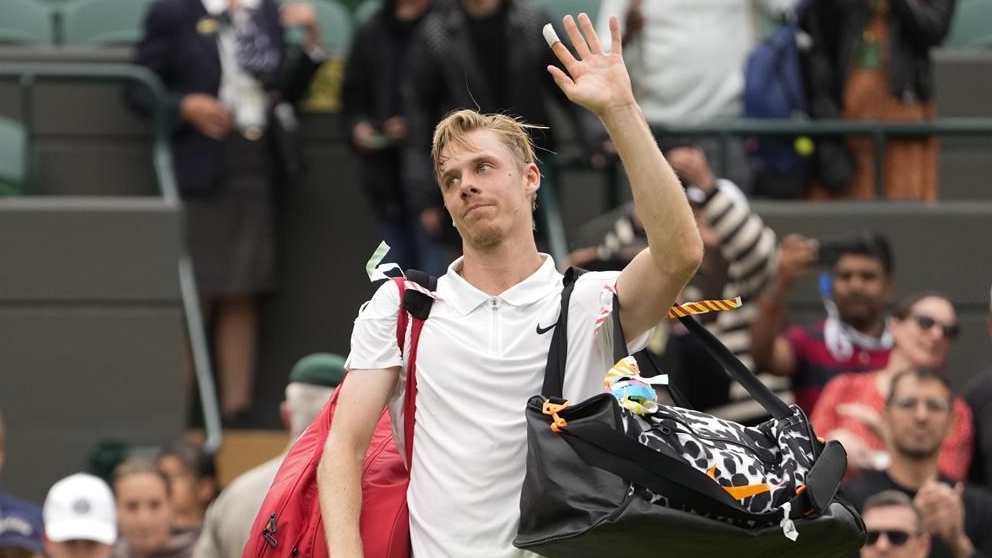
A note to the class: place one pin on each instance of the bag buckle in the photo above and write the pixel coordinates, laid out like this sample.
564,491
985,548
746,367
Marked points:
551,408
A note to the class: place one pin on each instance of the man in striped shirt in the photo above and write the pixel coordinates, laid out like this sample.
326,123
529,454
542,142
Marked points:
738,261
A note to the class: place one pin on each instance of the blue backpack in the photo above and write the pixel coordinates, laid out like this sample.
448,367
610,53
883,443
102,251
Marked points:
774,88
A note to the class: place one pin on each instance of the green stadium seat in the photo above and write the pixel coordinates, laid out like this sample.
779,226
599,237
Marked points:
13,158
365,10
335,26
102,22
972,25
26,22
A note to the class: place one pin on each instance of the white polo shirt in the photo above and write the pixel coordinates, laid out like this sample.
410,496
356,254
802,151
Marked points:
480,359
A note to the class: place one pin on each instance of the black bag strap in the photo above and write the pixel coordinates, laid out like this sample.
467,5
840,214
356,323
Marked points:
620,351
607,449
758,390
554,370
415,302
612,451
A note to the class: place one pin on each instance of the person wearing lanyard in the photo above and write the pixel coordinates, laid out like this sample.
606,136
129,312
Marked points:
228,74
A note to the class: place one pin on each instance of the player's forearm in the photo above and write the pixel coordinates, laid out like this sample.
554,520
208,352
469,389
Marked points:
340,492
660,201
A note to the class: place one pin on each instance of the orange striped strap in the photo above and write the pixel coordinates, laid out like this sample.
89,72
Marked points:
704,306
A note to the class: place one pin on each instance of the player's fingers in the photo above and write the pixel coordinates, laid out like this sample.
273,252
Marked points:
590,32
576,38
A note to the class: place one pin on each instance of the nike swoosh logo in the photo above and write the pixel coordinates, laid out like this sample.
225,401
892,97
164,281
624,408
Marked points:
543,330
740,492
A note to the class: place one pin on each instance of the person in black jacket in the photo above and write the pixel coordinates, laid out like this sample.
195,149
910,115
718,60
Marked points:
487,55
978,394
230,82
372,107
870,60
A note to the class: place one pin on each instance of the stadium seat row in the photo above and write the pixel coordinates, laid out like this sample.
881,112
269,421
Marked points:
102,23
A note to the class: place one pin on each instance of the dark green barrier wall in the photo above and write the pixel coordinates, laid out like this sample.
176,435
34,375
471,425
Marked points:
90,331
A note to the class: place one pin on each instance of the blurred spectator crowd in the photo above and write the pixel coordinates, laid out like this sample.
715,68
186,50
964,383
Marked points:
143,502
870,373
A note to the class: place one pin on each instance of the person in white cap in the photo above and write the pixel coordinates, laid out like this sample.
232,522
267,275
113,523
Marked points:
80,518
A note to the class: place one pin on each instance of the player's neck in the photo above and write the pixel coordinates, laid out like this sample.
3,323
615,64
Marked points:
495,269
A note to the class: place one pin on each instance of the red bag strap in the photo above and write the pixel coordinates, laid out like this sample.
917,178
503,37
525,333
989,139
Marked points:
417,311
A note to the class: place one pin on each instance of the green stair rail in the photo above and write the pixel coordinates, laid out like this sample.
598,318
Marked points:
14,158
879,131
725,130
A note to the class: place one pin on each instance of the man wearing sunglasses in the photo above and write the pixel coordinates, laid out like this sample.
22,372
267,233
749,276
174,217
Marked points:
850,408
918,418
895,528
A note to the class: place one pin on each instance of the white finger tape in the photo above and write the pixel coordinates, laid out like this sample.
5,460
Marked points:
550,35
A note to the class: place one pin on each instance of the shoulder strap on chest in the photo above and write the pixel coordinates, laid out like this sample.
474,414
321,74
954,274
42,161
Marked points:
416,298
554,370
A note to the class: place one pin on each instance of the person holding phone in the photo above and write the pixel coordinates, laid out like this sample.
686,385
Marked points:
854,337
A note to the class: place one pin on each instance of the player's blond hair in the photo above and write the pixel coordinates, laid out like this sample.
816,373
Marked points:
456,125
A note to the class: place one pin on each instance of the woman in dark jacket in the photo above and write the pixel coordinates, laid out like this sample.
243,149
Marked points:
871,61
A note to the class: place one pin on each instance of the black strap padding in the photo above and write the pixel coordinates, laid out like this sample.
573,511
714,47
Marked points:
825,475
415,302
619,341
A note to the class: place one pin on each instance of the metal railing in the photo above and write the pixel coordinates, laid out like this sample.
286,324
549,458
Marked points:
27,75
879,131
724,130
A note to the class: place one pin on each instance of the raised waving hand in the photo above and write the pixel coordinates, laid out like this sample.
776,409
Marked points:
592,78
